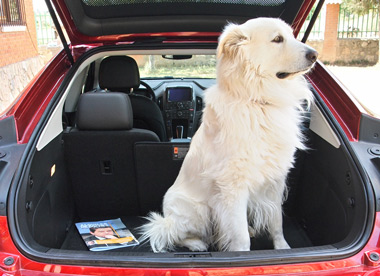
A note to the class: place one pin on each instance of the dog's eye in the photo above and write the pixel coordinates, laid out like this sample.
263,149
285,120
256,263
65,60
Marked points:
278,39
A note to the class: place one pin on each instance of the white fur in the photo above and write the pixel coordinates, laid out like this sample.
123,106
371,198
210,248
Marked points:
235,171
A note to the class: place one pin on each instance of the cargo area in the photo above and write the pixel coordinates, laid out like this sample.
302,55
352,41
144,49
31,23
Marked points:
326,203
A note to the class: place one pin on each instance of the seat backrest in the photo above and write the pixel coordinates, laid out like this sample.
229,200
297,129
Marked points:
121,73
164,161
100,159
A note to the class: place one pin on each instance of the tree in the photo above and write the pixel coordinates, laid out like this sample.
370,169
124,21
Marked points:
361,6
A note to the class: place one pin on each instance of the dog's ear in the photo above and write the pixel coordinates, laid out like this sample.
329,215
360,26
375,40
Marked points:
231,39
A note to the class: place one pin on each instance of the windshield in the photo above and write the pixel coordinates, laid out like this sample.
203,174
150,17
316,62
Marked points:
196,66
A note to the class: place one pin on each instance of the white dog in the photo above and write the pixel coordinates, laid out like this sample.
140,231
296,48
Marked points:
235,171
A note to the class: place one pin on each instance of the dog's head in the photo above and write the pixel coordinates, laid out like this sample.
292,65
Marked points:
266,46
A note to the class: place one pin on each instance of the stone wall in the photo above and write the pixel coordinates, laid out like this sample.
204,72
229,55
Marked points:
351,51
14,78
358,51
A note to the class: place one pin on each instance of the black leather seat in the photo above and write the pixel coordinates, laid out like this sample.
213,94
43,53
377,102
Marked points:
121,74
99,154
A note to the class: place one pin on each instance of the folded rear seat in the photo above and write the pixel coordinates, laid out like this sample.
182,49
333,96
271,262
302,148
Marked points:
100,159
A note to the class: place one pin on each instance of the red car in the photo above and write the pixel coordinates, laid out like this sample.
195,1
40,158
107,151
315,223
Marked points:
64,164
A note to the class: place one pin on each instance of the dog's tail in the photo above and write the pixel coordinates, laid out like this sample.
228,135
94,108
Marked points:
161,231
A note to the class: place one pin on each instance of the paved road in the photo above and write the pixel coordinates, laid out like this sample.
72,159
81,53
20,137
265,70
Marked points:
363,83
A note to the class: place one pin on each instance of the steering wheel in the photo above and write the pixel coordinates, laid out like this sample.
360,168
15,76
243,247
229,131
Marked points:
150,91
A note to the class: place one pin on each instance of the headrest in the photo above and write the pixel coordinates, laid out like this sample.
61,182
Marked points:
104,111
119,73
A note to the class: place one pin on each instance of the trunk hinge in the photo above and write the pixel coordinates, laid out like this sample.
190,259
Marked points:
60,32
312,21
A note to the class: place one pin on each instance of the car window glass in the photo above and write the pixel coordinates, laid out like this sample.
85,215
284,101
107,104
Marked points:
346,35
26,45
196,66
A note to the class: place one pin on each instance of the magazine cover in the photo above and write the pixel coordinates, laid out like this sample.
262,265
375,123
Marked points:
106,234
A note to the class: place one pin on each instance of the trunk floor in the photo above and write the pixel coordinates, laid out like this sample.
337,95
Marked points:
295,235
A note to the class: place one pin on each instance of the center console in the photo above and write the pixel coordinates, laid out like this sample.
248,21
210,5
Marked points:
179,111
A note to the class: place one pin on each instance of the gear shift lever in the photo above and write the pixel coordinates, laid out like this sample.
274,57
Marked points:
179,132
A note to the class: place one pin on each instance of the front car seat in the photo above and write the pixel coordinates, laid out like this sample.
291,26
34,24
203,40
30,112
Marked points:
121,74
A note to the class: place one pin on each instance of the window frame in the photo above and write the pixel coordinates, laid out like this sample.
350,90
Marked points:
12,16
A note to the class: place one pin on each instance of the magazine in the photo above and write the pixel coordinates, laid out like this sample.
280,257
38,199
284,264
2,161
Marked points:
106,234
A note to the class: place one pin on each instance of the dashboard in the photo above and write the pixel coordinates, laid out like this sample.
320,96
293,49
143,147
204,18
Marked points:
181,103
179,106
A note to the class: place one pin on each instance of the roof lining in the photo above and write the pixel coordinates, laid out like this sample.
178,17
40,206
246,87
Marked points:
164,17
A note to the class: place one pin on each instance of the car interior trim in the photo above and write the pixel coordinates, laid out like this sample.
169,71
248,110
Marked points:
319,125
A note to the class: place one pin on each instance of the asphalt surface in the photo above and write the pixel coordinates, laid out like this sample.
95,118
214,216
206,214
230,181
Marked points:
363,83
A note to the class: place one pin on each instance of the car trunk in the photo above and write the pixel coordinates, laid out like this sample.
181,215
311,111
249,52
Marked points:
65,180
325,213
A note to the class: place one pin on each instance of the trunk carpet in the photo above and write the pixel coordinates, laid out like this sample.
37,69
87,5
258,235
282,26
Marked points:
294,234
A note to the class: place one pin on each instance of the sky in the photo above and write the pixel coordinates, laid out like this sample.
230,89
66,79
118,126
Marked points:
39,5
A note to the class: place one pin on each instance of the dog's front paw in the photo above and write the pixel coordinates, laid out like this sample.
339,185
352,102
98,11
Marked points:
281,244
195,244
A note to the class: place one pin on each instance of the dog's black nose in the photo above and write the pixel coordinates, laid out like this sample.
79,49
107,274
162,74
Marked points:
312,56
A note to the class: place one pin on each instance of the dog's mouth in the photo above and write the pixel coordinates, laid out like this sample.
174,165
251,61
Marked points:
311,57
284,75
